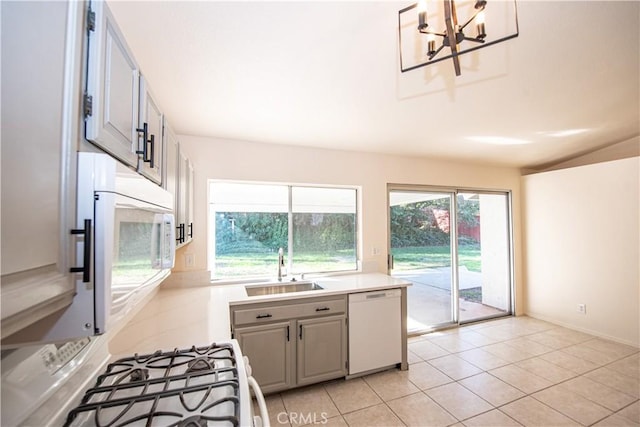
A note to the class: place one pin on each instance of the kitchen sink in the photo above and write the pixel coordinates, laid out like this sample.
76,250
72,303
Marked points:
281,288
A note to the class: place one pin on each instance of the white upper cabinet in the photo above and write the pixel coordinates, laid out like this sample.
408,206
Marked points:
183,203
149,129
179,181
112,94
41,74
170,169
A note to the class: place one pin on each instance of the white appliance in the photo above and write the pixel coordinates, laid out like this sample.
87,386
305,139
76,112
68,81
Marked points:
375,330
126,246
198,386
73,385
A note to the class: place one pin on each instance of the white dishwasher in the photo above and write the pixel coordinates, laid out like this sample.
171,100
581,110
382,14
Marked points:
375,330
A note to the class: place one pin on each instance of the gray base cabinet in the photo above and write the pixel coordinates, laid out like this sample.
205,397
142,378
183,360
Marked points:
268,348
322,349
293,343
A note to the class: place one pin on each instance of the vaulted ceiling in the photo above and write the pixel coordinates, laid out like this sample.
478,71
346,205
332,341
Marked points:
327,74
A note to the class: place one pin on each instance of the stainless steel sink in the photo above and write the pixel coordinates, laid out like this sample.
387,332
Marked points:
281,288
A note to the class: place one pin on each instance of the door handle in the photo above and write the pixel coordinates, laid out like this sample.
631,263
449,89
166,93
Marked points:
390,262
300,331
86,268
287,332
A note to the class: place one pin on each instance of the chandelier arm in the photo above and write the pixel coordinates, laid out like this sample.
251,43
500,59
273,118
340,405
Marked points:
433,55
474,39
472,18
432,32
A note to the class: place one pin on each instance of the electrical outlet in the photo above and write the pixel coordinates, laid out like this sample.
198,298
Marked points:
582,308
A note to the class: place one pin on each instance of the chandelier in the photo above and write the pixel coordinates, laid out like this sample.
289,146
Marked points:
432,33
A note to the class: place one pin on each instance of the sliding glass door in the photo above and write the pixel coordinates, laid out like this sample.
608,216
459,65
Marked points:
484,255
454,246
421,236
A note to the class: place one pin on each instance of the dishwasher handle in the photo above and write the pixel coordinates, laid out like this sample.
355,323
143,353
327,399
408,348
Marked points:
372,296
375,295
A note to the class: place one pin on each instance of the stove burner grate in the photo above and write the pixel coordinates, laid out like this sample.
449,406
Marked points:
189,388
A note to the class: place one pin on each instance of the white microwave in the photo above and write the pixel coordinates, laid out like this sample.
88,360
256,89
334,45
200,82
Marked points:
125,247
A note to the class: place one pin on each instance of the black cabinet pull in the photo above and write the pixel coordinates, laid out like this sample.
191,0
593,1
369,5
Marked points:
180,229
146,140
145,136
263,316
153,144
323,309
300,331
287,332
191,229
86,268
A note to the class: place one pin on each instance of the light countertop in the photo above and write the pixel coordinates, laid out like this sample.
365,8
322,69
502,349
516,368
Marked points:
182,317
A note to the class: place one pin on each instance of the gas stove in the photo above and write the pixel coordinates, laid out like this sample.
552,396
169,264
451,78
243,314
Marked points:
194,387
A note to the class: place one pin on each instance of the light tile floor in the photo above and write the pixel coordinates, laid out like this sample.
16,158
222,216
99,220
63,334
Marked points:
508,372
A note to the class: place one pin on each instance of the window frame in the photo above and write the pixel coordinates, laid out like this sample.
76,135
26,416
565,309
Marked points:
211,232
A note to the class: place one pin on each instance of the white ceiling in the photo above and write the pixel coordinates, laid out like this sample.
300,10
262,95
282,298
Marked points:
326,74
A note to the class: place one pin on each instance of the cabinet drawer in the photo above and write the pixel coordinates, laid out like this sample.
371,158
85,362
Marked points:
272,313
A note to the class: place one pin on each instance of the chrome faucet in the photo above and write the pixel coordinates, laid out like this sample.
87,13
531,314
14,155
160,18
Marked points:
281,264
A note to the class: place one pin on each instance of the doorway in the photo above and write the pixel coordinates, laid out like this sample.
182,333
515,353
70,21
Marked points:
454,246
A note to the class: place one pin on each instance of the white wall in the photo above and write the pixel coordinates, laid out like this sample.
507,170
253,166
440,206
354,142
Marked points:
239,160
581,245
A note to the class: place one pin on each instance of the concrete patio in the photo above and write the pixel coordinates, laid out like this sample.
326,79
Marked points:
429,299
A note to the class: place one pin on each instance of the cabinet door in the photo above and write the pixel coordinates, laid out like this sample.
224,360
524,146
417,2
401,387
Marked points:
113,88
322,349
190,201
269,350
151,143
170,169
40,122
182,204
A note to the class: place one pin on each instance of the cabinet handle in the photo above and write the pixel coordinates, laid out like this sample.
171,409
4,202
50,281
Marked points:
287,332
145,136
191,229
323,309
300,331
86,268
145,141
263,316
153,144
180,238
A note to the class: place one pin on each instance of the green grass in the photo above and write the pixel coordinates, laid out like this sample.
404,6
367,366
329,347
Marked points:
266,264
436,256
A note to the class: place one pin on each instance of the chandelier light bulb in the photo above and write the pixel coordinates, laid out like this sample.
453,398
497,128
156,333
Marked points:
480,25
422,15
431,44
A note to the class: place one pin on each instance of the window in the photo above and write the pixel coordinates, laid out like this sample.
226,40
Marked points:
316,227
